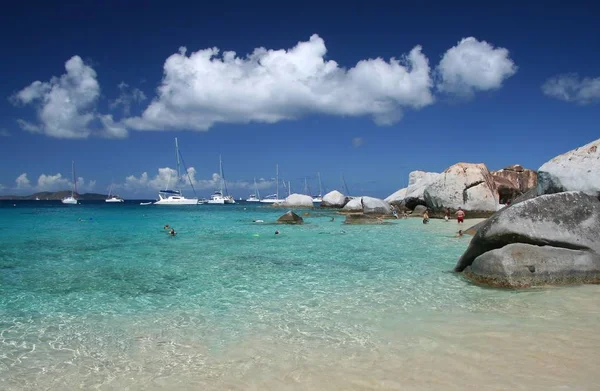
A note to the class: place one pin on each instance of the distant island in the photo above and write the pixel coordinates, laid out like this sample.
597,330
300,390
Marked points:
56,195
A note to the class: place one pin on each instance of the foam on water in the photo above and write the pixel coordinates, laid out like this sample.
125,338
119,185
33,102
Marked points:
113,302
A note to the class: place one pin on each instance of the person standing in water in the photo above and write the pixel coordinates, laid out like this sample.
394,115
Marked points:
447,215
425,217
460,215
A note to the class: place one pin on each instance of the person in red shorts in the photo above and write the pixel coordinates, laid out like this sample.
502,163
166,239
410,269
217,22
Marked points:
460,215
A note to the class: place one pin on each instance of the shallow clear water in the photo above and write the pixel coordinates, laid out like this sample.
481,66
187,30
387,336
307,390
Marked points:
113,302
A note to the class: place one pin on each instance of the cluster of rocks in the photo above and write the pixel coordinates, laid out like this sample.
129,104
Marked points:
472,187
548,236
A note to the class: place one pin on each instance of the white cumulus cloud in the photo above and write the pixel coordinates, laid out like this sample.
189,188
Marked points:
474,65
572,88
48,182
66,105
204,88
23,182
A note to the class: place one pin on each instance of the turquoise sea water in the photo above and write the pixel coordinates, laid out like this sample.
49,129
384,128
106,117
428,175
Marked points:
100,296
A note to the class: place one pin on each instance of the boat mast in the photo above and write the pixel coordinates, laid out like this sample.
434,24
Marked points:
306,187
256,189
178,163
320,189
277,181
74,188
221,174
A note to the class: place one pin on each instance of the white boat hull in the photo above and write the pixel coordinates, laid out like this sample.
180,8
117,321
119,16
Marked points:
177,201
219,201
252,200
114,200
271,201
69,201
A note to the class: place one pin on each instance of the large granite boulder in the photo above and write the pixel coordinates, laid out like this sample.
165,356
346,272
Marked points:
298,201
507,189
576,170
418,211
290,218
465,185
368,205
522,179
520,265
417,183
562,221
397,197
334,199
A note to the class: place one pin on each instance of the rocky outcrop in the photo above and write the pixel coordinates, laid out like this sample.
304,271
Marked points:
520,265
418,211
562,221
397,197
513,181
576,170
298,201
290,218
334,199
368,205
418,181
465,185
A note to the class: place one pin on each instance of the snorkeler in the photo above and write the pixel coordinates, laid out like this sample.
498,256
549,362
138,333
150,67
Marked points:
167,226
172,232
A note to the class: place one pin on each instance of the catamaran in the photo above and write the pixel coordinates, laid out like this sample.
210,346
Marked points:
256,196
174,196
319,198
71,200
220,196
113,198
274,198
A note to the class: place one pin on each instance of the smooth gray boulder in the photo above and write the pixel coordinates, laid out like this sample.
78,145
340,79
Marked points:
418,211
290,218
569,220
465,185
298,201
396,197
520,265
417,183
334,199
576,170
368,205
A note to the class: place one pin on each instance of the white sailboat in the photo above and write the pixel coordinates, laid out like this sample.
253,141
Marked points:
219,196
256,196
71,200
274,198
113,198
174,196
319,198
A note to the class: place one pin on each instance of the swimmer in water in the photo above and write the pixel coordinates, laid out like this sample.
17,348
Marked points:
460,233
167,226
172,232
332,220
276,232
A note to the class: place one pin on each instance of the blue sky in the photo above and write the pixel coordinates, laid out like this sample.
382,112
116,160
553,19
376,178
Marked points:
503,84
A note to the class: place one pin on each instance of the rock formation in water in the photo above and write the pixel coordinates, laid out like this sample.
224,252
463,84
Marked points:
550,239
298,201
290,218
576,170
412,195
334,199
465,185
368,205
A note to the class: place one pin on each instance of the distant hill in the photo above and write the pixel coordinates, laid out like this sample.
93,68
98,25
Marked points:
57,195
